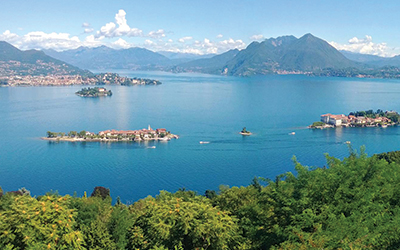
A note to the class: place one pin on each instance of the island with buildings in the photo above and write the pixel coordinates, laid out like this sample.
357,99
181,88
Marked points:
367,118
149,134
93,92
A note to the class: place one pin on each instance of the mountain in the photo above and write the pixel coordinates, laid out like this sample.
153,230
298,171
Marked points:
363,58
287,54
373,60
211,65
178,58
33,62
103,58
178,55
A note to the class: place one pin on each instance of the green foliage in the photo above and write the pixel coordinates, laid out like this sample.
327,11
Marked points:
181,221
93,92
48,223
390,157
317,124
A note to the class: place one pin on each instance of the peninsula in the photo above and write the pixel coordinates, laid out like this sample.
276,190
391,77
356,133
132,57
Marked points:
93,92
160,134
367,118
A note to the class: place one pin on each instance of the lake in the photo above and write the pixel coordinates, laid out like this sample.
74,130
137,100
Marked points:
197,108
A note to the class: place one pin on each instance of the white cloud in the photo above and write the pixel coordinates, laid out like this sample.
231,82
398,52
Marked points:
42,40
8,36
149,42
88,30
365,46
184,39
220,36
85,25
196,47
208,46
156,34
257,37
111,30
39,40
121,44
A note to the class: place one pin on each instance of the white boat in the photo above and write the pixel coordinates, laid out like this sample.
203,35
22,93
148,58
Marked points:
152,147
348,142
204,142
292,133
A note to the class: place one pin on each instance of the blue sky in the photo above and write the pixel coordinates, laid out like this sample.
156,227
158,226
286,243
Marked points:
206,26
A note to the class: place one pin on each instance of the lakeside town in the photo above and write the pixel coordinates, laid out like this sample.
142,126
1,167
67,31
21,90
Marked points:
69,79
149,134
367,118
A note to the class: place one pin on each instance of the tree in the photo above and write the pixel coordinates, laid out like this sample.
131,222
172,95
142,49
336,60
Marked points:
170,221
101,192
82,134
46,223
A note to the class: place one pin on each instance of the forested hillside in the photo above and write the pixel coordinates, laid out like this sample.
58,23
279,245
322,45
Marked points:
347,204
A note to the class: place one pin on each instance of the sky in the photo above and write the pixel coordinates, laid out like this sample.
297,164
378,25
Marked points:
200,27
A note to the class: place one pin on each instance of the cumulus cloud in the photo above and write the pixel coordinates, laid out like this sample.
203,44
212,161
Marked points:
119,28
256,37
85,25
220,36
365,46
184,39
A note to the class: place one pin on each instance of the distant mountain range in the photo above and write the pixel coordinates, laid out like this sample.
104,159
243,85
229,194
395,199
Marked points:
372,59
286,54
282,55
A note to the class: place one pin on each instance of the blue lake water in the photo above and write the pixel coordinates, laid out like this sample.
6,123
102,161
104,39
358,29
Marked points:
196,107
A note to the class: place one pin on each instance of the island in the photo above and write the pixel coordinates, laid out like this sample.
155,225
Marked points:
367,118
149,134
245,132
93,92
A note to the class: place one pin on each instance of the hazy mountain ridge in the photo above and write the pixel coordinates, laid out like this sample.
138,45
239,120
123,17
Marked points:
103,57
33,62
373,60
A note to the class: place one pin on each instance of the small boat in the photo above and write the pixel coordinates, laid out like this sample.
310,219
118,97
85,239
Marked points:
152,147
292,133
245,132
204,142
384,125
348,142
